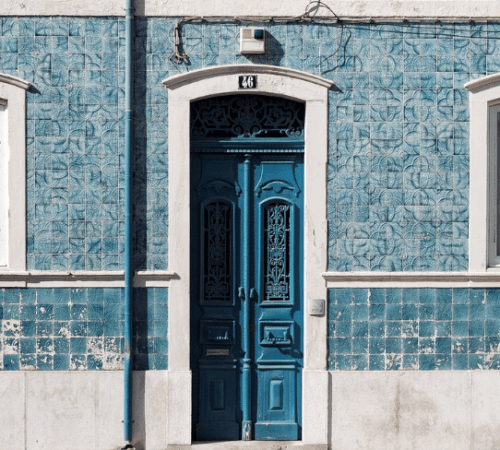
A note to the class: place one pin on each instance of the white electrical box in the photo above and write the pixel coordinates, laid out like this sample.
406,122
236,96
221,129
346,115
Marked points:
317,307
252,40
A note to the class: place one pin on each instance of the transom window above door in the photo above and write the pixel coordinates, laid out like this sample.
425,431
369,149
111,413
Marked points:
240,121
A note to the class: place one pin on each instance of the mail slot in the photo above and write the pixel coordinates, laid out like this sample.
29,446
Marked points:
217,352
276,334
217,332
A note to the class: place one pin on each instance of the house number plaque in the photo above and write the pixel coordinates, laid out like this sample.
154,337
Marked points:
247,81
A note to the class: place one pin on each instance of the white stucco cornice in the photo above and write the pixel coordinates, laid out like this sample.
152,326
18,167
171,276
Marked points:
258,69
14,81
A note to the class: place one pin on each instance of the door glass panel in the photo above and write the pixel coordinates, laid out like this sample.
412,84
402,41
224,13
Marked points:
217,252
277,252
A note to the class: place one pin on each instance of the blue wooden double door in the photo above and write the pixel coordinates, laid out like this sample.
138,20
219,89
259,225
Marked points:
246,295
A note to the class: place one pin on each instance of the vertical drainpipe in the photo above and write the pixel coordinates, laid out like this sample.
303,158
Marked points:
129,274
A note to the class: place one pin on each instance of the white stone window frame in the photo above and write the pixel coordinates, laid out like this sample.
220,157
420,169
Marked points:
13,188
493,185
484,100
278,81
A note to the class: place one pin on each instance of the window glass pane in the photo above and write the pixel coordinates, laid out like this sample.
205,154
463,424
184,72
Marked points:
497,184
3,186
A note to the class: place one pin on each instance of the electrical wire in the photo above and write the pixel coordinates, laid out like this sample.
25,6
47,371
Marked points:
310,15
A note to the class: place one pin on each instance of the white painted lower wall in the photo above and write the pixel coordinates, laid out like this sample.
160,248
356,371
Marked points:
368,410
415,410
80,410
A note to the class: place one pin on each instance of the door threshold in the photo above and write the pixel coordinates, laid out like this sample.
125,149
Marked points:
254,445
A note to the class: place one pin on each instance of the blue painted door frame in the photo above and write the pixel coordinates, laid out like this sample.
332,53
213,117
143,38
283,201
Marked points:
246,312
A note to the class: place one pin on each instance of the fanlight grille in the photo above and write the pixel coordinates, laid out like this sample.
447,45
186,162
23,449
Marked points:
245,117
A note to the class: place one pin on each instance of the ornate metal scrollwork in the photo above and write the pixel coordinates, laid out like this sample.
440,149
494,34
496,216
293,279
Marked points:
217,252
247,116
277,252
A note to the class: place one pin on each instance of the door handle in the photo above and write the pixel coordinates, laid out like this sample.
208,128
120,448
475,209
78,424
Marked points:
241,293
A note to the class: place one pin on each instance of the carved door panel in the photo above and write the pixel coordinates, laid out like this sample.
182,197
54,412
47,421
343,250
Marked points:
246,318
215,353
278,202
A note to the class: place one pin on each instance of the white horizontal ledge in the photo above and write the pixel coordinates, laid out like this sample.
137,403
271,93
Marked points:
156,273
412,279
42,279
61,279
157,278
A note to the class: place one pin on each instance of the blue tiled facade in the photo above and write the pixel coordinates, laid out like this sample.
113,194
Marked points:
398,183
413,329
81,329
398,139
75,143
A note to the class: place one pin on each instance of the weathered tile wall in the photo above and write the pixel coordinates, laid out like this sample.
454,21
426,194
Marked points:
398,162
413,329
81,329
398,152
75,144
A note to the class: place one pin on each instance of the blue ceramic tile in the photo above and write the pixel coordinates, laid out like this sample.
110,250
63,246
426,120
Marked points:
12,296
460,328
160,362
460,296
11,362
94,362
360,329
376,362
492,310
427,362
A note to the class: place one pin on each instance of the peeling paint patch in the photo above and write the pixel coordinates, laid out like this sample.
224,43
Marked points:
10,346
11,327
